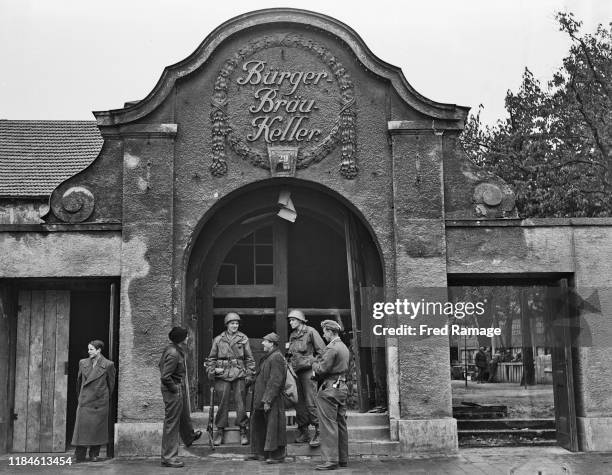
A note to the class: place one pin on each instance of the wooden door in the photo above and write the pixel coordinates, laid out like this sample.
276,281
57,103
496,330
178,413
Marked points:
562,366
40,371
356,281
113,354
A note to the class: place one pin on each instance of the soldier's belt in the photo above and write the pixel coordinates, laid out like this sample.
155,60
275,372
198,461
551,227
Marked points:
225,363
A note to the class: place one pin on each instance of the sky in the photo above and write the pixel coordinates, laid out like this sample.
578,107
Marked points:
62,59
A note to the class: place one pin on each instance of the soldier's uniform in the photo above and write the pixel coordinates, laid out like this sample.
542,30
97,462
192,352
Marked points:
331,368
305,344
229,364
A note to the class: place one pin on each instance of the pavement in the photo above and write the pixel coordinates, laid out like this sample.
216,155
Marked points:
494,461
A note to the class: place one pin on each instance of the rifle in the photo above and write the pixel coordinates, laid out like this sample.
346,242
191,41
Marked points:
211,417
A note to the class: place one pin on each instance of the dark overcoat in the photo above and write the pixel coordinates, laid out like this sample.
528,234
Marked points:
268,387
480,359
95,386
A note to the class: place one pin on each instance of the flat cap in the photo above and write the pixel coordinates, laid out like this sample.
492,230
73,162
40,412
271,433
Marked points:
273,337
178,334
331,325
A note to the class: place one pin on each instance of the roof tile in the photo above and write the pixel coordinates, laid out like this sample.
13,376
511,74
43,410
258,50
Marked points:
37,155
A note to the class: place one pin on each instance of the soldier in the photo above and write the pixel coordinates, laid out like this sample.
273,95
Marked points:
229,364
330,368
304,344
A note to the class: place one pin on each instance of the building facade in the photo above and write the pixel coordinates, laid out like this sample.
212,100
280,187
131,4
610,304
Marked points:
281,165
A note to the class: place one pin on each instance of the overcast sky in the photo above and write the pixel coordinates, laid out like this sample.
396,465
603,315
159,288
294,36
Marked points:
61,59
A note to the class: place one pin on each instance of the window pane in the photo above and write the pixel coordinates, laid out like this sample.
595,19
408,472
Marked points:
264,235
263,254
264,275
247,239
227,275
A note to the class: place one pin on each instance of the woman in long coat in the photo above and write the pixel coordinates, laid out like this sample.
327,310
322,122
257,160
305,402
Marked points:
95,382
268,423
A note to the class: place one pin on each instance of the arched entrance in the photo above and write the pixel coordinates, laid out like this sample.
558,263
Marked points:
254,260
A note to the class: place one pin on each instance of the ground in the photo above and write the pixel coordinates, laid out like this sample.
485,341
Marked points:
515,461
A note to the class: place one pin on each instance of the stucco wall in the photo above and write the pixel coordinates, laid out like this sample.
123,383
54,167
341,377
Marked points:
22,211
60,254
580,248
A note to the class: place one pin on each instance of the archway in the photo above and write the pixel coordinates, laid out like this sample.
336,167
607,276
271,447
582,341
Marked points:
252,259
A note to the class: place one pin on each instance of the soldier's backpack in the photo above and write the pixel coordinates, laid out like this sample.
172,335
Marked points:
290,390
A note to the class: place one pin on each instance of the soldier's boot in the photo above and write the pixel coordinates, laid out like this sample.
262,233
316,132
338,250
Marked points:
218,438
244,436
315,442
303,437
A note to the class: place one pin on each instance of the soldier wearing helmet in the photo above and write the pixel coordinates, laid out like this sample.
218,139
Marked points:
305,344
229,364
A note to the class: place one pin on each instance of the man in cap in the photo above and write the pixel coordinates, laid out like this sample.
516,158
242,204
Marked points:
177,418
305,344
330,368
229,364
268,422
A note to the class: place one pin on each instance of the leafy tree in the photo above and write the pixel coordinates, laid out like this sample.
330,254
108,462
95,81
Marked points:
555,147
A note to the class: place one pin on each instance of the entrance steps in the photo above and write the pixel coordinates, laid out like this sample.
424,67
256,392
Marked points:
368,435
497,432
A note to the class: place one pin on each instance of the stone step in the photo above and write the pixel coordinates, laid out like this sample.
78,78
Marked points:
365,418
505,424
231,435
200,419
356,448
507,439
501,433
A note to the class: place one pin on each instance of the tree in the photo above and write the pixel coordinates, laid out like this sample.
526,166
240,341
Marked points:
555,148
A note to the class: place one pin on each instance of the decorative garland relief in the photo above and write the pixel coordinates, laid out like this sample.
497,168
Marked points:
283,105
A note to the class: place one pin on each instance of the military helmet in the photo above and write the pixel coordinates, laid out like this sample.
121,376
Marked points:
231,317
298,315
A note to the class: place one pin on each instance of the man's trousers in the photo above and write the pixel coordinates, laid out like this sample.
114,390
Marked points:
177,421
306,407
331,405
224,389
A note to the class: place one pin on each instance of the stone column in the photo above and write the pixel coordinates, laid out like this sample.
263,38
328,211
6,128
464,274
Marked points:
593,339
146,283
426,424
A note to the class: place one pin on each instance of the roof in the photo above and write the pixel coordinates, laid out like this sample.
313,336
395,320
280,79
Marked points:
37,155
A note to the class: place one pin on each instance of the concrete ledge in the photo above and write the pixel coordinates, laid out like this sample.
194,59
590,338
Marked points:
526,223
595,434
138,439
427,436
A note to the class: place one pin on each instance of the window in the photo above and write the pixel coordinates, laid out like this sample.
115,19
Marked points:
250,261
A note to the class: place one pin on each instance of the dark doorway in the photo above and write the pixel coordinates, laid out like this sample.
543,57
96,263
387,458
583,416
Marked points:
514,388
92,317
259,265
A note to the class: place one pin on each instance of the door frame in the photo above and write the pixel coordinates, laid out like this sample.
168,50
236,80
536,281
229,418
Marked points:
69,284
8,297
563,369
551,281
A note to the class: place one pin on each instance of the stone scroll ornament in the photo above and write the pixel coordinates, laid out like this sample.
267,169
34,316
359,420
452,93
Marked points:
341,132
75,205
